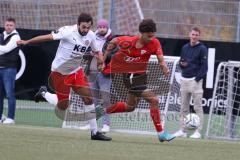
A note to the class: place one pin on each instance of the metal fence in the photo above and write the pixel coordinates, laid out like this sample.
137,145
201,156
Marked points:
218,19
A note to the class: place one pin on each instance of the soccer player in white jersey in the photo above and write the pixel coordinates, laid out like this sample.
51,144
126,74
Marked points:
67,71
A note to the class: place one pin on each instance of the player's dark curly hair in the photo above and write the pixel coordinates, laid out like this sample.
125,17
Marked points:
85,17
147,25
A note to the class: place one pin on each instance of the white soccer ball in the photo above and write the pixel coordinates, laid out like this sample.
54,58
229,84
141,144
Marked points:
192,121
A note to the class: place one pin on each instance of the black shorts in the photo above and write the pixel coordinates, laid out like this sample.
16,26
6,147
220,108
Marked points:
136,83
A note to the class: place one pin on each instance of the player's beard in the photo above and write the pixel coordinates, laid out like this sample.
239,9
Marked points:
82,33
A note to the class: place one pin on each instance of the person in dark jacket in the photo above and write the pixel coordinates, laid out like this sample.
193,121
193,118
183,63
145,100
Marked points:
8,68
194,66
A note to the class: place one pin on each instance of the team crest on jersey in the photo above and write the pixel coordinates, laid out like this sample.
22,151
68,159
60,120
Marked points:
87,42
143,52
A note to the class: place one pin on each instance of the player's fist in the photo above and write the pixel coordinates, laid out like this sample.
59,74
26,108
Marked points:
166,71
101,67
22,42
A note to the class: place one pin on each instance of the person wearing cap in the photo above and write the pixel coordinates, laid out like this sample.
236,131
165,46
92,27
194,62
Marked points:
100,82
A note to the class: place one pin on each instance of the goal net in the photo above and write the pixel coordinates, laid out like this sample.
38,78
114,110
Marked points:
139,121
52,14
224,122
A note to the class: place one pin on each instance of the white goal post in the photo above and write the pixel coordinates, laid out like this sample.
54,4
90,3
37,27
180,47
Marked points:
139,121
224,122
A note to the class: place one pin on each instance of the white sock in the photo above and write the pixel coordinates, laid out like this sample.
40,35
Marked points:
51,98
93,125
92,122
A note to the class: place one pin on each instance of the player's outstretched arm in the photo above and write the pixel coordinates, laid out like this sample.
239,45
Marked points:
110,47
38,39
163,65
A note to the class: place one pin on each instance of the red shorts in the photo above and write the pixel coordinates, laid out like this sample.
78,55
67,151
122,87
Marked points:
61,84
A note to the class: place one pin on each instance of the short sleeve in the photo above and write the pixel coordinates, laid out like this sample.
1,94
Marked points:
61,33
118,39
158,48
122,39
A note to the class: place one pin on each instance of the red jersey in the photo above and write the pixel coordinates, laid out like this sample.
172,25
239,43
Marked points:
130,59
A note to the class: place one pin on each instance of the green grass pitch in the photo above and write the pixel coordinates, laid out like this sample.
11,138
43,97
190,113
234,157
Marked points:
20,142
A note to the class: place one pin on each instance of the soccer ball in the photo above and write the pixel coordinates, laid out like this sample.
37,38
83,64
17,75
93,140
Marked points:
192,121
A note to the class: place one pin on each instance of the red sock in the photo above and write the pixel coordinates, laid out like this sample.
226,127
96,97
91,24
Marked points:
117,108
155,114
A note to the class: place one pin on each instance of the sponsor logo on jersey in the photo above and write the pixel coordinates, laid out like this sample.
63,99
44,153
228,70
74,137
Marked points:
131,59
79,48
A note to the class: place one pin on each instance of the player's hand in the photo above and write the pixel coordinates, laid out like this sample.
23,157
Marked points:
101,67
165,70
22,42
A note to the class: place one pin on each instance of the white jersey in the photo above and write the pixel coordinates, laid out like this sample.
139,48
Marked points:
71,49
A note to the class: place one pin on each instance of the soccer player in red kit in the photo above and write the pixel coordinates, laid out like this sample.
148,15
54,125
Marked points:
131,59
